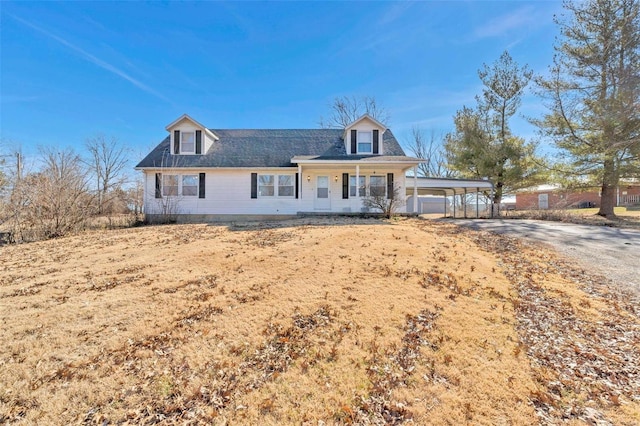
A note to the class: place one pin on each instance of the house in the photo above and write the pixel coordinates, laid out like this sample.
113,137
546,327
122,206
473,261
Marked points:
555,197
201,174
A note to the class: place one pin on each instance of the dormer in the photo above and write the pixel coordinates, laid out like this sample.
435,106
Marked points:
188,137
364,136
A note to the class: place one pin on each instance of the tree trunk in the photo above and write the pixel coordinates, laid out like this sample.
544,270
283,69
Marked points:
608,192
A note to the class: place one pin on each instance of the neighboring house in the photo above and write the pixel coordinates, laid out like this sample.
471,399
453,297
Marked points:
554,197
201,174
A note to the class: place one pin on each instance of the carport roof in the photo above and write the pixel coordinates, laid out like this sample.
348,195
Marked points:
447,186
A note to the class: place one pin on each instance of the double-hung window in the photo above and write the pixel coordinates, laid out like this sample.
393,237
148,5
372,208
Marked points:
275,185
365,142
285,186
360,187
189,185
377,186
266,185
169,185
188,143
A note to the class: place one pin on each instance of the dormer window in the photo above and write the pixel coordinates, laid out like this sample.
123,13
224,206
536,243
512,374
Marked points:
365,142
188,143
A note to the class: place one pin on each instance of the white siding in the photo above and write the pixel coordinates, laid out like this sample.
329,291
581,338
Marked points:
228,191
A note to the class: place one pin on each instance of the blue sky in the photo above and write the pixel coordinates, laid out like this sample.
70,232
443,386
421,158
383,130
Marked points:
70,70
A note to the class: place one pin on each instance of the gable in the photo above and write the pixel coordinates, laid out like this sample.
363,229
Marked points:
189,137
364,137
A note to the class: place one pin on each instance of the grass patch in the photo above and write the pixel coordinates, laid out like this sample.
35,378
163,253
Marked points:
345,321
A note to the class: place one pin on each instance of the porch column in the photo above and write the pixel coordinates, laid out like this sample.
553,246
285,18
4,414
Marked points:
477,208
357,184
415,189
299,183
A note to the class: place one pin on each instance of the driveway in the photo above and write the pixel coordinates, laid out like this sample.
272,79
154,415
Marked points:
614,252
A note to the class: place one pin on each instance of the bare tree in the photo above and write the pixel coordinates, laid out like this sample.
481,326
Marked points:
167,197
345,110
135,196
431,149
107,162
52,202
388,204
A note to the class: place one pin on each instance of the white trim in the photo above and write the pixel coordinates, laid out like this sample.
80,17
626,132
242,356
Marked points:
179,177
365,117
186,117
363,132
182,133
276,186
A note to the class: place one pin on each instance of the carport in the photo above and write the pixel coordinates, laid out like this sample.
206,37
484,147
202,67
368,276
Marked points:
446,188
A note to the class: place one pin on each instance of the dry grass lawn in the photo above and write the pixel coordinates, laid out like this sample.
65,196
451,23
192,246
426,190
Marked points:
311,321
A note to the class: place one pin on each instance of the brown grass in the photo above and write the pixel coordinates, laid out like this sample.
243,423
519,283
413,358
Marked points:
348,321
625,218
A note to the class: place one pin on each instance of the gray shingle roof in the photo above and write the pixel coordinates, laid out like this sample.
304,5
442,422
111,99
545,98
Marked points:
264,148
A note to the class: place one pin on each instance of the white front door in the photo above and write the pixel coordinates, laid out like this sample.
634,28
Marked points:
323,199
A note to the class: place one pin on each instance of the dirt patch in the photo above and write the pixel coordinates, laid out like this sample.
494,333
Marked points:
344,321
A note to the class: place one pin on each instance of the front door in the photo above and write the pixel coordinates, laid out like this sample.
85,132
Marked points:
322,201
543,201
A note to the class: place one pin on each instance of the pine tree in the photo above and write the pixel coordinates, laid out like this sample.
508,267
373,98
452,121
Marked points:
482,145
594,93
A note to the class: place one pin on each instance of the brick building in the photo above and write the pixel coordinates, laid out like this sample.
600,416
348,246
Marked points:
550,197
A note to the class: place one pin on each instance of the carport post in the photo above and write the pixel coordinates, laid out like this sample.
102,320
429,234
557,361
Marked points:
464,205
454,203
445,203
415,189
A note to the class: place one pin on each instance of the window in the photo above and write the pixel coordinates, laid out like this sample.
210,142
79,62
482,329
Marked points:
190,185
365,142
188,142
265,186
169,185
362,185
285,186
377,186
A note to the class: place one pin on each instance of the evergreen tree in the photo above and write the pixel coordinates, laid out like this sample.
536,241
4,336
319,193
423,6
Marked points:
482,145
594,93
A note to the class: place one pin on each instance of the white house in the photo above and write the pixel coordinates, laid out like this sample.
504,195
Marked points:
201,174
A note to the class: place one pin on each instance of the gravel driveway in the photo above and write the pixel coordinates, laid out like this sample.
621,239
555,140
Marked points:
613,252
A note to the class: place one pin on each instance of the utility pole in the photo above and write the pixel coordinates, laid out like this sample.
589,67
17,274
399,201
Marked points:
18,166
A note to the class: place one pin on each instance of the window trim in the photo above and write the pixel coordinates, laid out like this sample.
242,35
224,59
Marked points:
292,186
383,186
196,186
276,185
182,138
165,187
362,186
179,185
370,142
261,185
